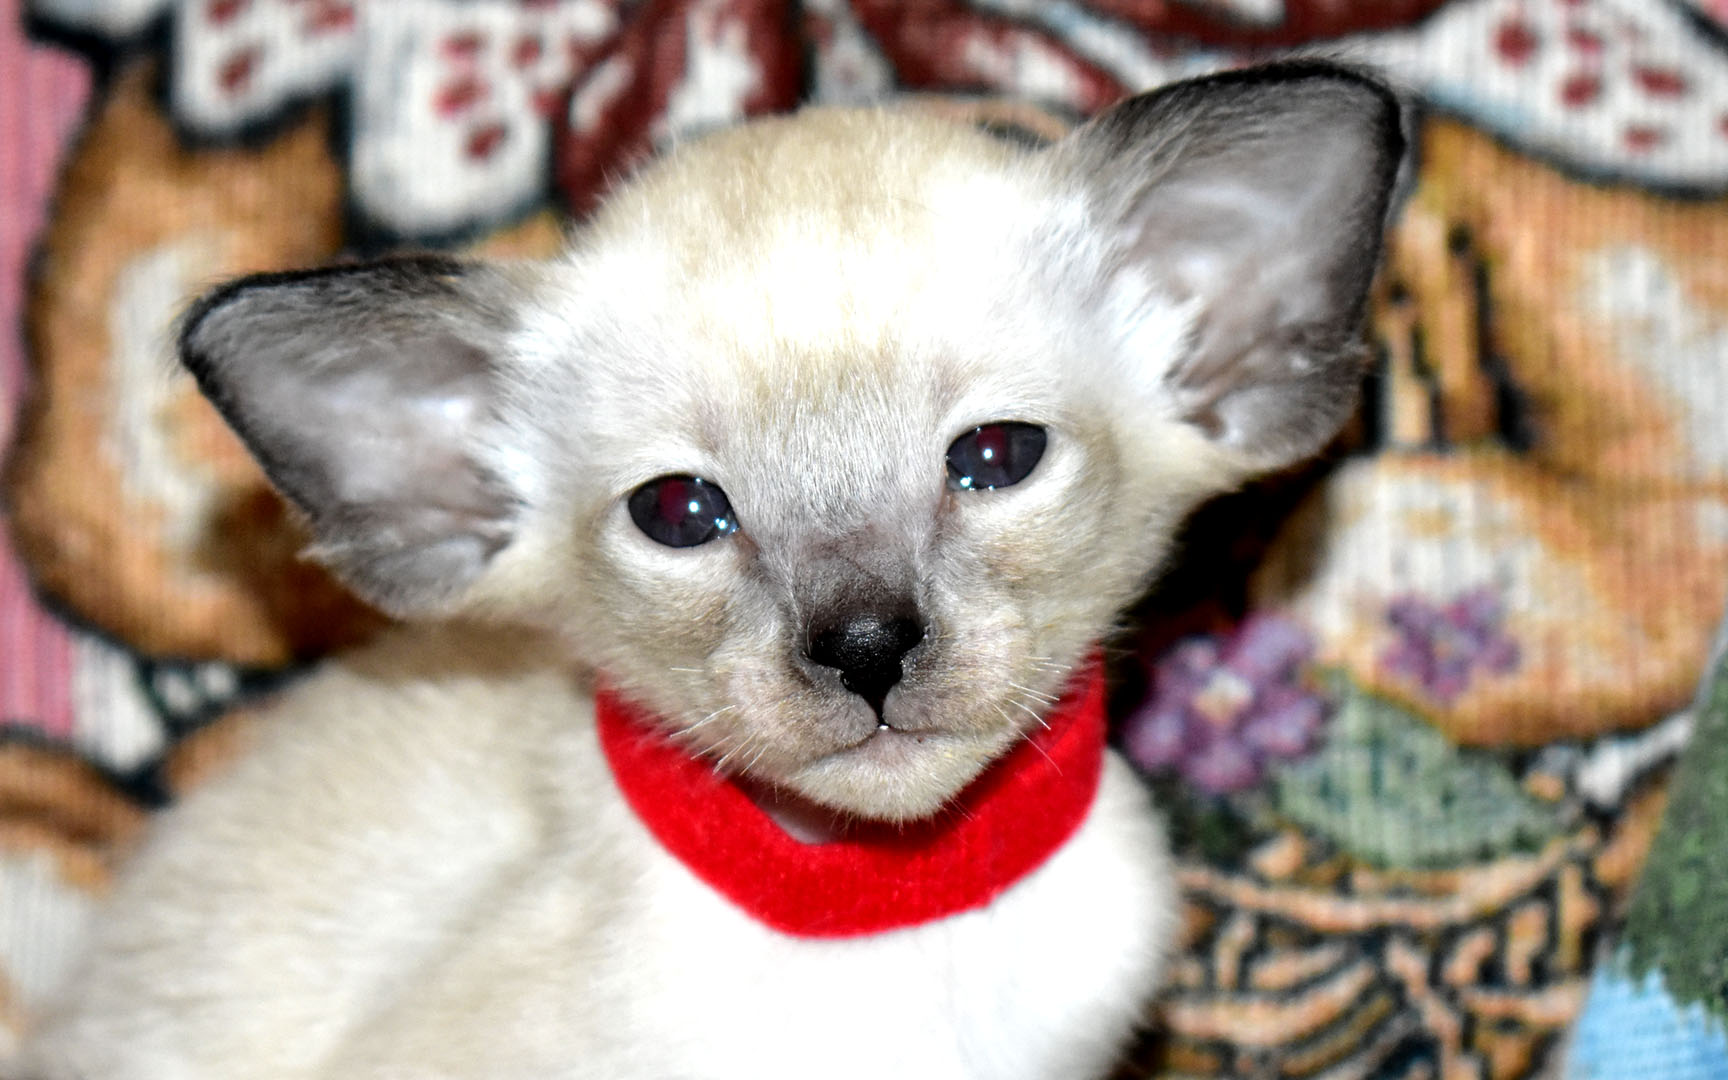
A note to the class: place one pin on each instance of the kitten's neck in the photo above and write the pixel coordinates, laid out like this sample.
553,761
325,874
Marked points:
804,871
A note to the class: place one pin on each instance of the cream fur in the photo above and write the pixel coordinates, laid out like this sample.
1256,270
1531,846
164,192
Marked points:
423,870
442,881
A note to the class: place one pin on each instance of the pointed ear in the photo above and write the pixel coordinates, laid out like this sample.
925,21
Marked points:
1251,203
368,394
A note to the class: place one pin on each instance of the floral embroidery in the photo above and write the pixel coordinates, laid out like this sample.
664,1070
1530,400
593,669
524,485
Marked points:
1390,791
1440,649
1223,709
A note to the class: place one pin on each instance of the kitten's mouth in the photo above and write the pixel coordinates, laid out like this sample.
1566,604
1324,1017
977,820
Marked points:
889,747
891,774
856,735
886,728
885,751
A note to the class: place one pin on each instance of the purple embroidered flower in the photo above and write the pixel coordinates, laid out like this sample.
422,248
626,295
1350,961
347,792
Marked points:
1441,648
1221,709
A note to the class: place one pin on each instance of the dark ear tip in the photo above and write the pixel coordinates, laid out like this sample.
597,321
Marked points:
195,358
1372,88
1297,68
1307,69
1391,107
193,348
384,273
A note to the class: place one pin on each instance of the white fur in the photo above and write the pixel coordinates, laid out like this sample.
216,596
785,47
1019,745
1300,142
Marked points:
444,882
424,869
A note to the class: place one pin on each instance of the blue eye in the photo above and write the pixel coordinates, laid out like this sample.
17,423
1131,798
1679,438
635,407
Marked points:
995,455
681,511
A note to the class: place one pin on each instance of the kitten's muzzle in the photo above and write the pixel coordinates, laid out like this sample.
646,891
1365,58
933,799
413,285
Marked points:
867,647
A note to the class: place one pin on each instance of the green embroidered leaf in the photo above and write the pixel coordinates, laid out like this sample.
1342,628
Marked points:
1678,923
1389,789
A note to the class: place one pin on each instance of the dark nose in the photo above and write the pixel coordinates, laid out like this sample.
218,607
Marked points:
866,647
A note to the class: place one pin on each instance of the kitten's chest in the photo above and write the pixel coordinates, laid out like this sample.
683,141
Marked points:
1045,982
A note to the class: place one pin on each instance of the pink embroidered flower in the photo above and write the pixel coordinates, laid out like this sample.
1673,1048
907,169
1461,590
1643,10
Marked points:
1222,709
1440,649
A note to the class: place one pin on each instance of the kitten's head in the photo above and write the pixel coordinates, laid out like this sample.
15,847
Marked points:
837,440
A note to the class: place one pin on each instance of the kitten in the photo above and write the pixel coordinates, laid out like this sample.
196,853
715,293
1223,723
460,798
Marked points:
832,446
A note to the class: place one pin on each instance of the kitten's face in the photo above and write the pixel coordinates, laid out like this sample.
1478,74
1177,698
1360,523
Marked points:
946,401
870,625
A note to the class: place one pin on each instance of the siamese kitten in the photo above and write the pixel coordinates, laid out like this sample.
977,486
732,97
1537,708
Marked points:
835,444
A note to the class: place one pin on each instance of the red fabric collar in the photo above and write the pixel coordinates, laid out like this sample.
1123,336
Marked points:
879,877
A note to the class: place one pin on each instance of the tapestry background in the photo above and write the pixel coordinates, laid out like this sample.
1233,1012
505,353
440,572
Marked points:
1414,710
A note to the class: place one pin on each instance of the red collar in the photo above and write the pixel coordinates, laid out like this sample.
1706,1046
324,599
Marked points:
878,877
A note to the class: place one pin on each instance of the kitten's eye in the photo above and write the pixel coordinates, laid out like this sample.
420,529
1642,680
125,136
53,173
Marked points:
995,455
681,511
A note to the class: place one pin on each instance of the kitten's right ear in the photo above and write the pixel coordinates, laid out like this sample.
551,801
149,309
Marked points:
369,395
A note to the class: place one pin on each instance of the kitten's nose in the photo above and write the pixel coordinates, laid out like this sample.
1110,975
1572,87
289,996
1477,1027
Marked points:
865,647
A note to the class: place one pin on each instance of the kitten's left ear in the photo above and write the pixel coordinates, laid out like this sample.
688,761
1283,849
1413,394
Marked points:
1253,203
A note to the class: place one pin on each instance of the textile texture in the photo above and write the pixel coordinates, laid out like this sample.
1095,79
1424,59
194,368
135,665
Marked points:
1416,712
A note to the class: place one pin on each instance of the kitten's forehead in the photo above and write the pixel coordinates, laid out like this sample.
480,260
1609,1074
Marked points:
808,297
808,448
854,174
781,236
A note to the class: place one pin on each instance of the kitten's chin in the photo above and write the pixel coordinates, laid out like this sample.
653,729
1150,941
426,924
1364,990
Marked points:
895,776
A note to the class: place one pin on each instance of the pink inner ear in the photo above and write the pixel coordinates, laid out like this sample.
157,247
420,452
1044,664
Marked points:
1257,201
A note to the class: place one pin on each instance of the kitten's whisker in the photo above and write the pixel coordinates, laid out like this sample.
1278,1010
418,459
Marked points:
681,732
720,766
1029,711
1033,743
1034,694
724,745
751,764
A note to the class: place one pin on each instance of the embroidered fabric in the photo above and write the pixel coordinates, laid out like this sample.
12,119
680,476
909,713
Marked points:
464,113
